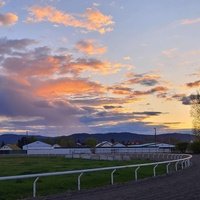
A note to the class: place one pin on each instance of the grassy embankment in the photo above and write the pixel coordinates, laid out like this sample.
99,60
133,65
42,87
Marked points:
19,189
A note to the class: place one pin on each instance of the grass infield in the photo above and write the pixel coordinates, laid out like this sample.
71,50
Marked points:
19,189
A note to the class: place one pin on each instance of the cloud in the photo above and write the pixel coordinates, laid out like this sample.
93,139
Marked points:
26,110
8,19
127,58
186,100
120,90
112,107
143,79
148,113
43,90
150,91
67,86
8,46
194,84
99,101
90,47
190,21
91,20
2,3
92,64
170,53
28,67
42,62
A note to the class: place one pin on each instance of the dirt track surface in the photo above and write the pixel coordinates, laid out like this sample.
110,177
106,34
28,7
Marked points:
184,185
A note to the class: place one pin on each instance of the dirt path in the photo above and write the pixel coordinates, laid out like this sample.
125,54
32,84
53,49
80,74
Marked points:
184,185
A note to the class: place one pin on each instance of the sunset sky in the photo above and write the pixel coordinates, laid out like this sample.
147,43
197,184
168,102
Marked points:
98,66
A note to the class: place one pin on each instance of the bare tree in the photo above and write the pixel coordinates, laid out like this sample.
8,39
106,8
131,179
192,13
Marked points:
195,113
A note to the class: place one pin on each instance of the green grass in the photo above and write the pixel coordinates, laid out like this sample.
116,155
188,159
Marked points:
19,189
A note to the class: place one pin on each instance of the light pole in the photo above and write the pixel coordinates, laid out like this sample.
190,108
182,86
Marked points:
155,136
27,140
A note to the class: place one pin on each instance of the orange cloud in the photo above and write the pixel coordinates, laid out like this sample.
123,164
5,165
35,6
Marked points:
90,47
66,86
98,21
194,84
104,67
151,91
8,19
120,90
91,20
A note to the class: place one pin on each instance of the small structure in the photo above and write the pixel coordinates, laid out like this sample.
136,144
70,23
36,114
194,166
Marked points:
104,144
56,146
117,144
37,145
9,147
161,147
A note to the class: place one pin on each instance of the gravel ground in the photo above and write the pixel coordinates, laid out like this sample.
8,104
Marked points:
184,184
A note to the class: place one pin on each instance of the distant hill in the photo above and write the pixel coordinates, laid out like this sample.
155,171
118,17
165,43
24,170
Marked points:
13,138
10,138
126,136
120,137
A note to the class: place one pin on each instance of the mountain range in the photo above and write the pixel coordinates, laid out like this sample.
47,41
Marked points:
117,137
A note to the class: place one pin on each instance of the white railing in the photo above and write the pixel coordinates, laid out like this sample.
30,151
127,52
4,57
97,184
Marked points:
183,159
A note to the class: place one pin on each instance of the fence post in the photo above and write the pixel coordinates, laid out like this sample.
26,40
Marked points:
176,165
136,176
79,181
154,170
112,179
34,187
168,168
186,164
182,166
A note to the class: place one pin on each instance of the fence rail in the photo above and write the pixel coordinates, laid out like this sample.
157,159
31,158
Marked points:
183,159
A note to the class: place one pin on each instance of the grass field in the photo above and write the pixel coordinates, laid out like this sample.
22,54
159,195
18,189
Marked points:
19,189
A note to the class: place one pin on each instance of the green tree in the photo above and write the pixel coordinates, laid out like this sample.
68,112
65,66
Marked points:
195,147
66,142
195,113
91,142
2,144
182,146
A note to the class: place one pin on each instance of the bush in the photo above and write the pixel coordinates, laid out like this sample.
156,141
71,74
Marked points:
182,146
195,147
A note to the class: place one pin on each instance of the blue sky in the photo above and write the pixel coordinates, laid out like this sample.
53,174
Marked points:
98,66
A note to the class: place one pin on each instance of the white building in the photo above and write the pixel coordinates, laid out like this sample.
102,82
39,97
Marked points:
9,147
104,144
117,144
37,145
56,146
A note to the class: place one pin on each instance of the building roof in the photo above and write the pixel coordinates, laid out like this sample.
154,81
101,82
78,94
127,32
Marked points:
159,145
104,144
11,146
56,146
118,144
37,144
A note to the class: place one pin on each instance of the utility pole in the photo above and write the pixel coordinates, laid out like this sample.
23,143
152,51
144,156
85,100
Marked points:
27,140
155,136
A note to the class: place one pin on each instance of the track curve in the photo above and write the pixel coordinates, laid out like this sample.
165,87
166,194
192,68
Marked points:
183,184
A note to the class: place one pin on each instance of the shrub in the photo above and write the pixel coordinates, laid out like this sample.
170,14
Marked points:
195,147
182,146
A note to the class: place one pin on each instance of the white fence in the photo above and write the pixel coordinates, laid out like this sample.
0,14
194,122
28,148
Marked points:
183,159
103,150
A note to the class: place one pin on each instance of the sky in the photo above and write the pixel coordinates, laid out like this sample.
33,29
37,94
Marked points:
98,66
